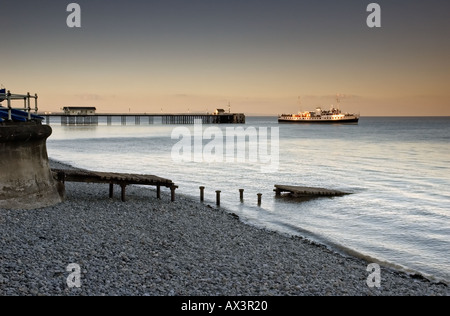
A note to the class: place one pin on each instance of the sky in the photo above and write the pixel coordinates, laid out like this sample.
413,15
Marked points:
263,57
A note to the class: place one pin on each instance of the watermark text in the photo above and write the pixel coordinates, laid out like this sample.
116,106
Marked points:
374,279
74,278
74,18
374,18
231,145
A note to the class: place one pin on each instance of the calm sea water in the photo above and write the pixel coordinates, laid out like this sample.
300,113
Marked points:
398,170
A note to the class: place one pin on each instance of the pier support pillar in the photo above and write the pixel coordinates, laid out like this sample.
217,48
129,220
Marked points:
61,185
111,190
123,186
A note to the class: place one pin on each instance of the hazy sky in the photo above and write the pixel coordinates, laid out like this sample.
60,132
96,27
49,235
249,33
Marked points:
259,55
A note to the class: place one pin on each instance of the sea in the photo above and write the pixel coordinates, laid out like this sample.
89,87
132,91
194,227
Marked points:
397,170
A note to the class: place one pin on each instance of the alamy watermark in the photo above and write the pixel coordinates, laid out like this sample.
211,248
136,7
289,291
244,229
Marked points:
374,279
374,18
74,18
231,145
74,278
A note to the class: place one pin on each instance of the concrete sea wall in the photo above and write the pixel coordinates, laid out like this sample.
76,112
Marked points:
26,181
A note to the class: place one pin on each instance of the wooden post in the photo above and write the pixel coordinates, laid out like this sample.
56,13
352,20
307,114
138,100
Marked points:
61,186
61,177
172,191
202,194
241,194
218,198
28,106
111,190
9,106
123,186
158,192
259,199
36,103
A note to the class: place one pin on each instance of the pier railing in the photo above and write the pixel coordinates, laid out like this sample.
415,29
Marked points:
27,104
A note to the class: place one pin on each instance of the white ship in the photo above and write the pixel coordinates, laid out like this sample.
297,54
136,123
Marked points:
319,116
334,115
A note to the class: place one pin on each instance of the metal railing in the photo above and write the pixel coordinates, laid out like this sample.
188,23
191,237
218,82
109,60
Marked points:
9,97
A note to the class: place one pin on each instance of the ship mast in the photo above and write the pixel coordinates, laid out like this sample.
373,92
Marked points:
338,100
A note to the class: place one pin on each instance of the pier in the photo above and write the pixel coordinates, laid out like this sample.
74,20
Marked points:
143,118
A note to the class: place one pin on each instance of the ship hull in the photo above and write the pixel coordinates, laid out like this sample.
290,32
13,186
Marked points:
318,121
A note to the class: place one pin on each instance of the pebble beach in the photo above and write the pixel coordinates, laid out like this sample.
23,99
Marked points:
152,247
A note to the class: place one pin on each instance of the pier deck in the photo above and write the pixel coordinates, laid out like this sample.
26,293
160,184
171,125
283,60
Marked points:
144,118
299,191
122,179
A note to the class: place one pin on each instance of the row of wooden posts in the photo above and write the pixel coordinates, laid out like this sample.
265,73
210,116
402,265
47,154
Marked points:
241,194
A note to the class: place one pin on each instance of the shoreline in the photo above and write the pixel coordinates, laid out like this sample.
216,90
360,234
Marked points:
336,248
154,247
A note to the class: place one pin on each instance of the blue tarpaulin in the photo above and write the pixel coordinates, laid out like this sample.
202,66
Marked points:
2,92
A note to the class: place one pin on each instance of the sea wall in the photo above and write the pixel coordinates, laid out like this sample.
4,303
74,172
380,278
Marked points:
26,181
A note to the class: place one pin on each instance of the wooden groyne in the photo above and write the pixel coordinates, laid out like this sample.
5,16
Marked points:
145,119
122,179
300,191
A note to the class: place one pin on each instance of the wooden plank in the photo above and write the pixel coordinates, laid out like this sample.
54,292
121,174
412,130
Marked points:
117,178
301,191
